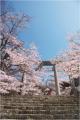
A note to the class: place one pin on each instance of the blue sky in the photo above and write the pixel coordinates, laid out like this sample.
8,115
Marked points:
52,21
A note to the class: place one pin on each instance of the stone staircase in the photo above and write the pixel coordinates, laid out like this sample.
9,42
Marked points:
39,107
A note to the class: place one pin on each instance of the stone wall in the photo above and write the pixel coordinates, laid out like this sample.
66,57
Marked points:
39,107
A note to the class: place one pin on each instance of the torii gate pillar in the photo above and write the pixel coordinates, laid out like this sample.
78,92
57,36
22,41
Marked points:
56,81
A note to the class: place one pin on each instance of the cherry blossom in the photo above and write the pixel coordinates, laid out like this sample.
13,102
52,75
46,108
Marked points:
17,64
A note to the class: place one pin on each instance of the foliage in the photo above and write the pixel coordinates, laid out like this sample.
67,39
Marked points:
17,64
68,63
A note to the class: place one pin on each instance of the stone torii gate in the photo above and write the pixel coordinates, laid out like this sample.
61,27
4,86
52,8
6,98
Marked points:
48,63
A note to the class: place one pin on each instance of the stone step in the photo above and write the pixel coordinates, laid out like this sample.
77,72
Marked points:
48,103
43,100
40,116
40,107
38,103
49,112
39,98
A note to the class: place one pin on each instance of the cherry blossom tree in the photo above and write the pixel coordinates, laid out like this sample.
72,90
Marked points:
8,83
17,64
68,63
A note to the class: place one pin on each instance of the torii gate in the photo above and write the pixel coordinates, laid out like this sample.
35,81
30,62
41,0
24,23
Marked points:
48,63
